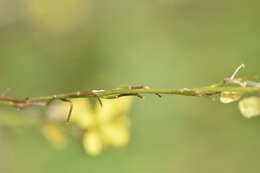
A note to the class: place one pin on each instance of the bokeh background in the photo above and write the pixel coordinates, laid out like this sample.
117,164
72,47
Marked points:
49,47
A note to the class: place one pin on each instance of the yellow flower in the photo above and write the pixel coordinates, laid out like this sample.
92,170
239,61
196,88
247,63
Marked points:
104,126
55,135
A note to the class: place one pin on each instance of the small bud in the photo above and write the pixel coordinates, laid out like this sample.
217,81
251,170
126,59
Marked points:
55,135
230,96
250,107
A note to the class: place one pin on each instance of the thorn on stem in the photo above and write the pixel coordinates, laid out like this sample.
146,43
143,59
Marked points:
100,101
64,100
158,95
70,109
139,95
232,77
50,101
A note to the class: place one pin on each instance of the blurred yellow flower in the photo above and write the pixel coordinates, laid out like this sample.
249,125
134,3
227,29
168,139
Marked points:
103,126
55,135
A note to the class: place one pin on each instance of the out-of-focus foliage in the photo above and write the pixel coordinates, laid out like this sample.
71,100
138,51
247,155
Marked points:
48,47
56,15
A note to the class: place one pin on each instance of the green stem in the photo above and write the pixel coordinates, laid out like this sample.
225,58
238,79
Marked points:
214,89
129,91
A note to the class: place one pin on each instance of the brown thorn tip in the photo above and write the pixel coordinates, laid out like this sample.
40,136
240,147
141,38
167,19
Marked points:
140,96
100,101
158,95
70,109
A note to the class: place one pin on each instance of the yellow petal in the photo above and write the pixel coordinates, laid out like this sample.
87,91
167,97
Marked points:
113,108
230,96
82,113
93,143
250,107
55,135
116,133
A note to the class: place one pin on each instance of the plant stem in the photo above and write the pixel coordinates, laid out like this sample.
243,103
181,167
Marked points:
119,92
211,90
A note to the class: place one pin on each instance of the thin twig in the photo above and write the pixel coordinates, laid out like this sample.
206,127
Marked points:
133,91
44,101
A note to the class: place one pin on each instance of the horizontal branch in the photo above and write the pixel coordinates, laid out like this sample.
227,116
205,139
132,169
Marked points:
229,84
119,92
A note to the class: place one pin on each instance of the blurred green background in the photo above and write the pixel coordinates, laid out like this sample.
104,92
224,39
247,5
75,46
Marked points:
49,47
